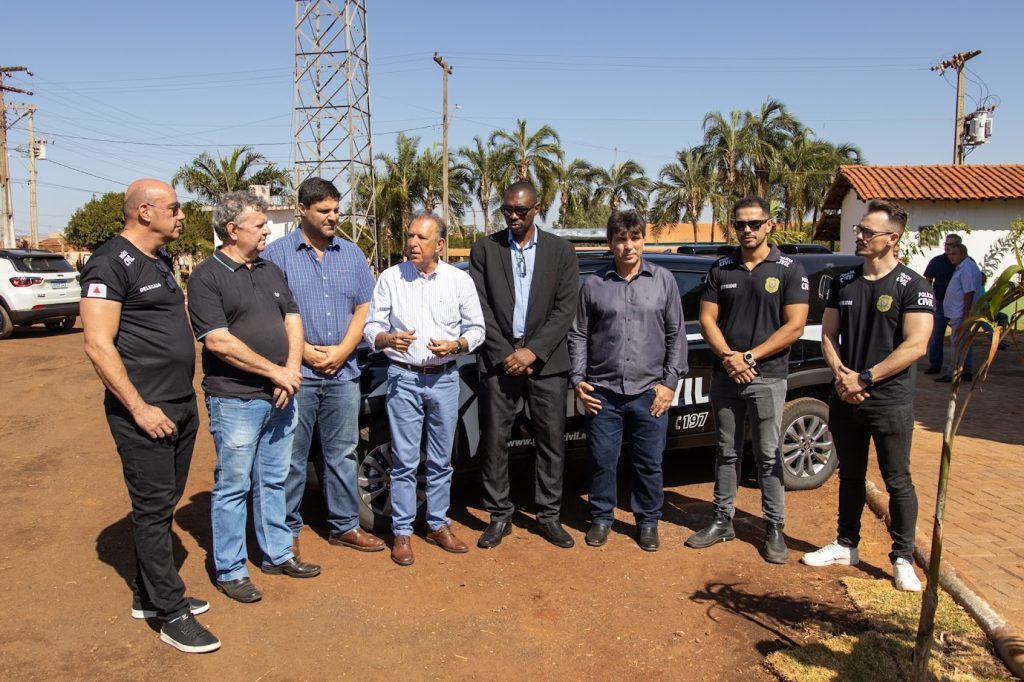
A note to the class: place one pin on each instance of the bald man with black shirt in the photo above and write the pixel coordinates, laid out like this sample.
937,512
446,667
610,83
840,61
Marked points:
877,323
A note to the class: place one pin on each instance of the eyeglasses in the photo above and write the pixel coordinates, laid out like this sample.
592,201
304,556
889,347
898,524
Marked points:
520,211
173,208
864,233
753,225
520,262
168,277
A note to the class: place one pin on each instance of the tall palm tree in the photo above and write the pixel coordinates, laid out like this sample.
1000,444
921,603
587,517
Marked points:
209,178
834,155
683,189
399,186
728,143
484,165
767,133
623,182
532,157
431,172
575,181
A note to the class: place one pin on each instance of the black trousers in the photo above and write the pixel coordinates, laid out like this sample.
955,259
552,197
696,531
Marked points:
500,396
891,428
155,472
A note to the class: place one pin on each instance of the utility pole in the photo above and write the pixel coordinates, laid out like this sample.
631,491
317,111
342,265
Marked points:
446,70
7,210
33,216
958,62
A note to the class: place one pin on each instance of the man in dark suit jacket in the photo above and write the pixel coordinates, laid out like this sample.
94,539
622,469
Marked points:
527,281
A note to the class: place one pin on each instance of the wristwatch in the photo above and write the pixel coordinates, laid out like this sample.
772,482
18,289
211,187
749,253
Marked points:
748,358
867,377
458,347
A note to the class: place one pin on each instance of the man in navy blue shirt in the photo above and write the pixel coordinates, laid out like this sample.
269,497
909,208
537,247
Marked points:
332,285
938,273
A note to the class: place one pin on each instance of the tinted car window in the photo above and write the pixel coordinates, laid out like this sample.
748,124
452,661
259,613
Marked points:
41,264
691,285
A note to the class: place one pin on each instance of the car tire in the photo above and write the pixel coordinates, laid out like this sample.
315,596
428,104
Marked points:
808,456
373,480
62,324
6,326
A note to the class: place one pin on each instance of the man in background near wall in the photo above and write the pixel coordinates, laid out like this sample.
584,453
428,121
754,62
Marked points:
960,296
938,273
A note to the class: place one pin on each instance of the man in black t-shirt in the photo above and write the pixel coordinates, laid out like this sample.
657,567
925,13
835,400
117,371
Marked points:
938,273
753,308
138,339
243,312
877,321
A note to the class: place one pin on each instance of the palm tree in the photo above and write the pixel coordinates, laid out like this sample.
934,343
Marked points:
209,179
575,181
834,156
431,173
399,186
683,189
532,157
728,143
483,164
767,133
623,182
807,166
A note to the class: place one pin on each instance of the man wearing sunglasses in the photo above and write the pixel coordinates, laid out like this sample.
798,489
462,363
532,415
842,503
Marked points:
753,308
527,280
877,322
137,337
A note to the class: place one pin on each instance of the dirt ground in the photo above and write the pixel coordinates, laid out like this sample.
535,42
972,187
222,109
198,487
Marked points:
523,610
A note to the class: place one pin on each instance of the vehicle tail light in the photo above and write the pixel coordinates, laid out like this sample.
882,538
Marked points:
26,281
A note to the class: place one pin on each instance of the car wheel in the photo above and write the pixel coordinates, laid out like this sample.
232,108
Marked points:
808,458
374,482
61,325
6,326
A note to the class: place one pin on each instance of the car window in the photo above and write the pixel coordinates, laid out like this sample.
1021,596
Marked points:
691,286
41,264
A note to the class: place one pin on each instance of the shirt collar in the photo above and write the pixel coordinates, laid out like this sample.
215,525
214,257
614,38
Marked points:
609,270
533,240
232,265
300,243
773,254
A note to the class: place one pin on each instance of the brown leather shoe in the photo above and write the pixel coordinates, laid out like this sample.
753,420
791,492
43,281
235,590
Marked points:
444,538
401,551
357,538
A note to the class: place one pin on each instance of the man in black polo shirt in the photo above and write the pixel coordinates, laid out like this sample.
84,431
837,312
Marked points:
753,308
939,272
876,325
137,337
244,314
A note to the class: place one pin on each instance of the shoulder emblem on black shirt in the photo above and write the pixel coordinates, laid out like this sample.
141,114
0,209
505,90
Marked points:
847,276
722,262
128,260
785,261
903,279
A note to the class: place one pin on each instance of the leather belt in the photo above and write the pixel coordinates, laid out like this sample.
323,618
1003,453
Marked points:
425,369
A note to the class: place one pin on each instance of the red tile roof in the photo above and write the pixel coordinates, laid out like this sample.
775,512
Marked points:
927,183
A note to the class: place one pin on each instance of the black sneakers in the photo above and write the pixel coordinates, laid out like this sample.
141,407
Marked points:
185,633
140,610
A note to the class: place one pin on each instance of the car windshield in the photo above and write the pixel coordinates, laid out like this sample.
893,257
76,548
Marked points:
41,264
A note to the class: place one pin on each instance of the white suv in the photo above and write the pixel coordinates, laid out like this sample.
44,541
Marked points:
37,286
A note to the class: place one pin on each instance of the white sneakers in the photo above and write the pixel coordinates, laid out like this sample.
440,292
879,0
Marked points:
835,554
904,577
832,554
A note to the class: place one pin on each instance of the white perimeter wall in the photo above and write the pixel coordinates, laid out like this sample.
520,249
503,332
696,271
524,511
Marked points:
281,221
989,221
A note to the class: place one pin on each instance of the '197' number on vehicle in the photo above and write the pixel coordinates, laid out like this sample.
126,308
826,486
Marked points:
685,422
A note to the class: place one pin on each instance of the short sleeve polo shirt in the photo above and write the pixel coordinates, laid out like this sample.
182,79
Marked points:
251,303
153,338
871,323
750,303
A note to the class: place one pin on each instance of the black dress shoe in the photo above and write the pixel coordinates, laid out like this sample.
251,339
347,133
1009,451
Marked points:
293,568
774,550
555,534
933,370
720,530
597,534
241,590
495,532
648,539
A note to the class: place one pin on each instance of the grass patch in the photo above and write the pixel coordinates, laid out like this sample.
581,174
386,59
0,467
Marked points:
884,649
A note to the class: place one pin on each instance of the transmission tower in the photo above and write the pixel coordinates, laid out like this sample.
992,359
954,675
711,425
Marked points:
331,118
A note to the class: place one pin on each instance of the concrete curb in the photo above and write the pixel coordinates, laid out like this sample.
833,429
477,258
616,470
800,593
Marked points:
1007,639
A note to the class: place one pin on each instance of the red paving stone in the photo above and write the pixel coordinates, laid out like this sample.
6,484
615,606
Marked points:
984,520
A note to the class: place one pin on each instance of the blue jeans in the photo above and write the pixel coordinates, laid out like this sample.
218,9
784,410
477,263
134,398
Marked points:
628,415
415,399
332,406
938,339
254,444
764,400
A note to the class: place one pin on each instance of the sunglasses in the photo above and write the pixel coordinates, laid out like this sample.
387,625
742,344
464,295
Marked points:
173,208
754,225
518,210
168,277
864,233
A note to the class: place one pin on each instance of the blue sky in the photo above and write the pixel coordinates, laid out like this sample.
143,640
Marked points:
616,80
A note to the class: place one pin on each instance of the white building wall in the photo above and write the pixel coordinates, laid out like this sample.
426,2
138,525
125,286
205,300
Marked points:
989,221
280,219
